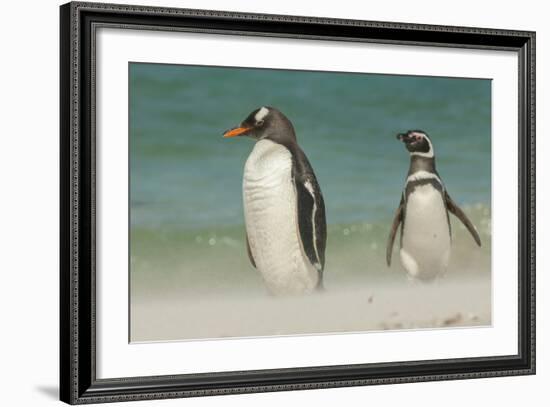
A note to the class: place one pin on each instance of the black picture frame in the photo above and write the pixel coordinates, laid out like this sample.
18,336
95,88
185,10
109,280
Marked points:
78,382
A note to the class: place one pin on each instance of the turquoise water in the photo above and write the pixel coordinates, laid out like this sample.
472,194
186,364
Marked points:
186,217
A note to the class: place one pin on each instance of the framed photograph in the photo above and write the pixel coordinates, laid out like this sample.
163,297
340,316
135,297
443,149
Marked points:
255,203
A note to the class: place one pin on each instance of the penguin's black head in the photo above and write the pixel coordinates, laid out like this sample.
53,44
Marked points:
417,142
265,122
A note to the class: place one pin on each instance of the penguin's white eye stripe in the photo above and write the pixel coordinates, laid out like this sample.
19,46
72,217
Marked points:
430,152
261,114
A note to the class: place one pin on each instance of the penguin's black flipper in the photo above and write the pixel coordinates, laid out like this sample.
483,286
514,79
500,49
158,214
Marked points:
250,252
455,210
311,219
310,205
398,218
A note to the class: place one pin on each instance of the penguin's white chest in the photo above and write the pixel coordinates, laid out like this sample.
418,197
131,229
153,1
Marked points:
426,244
270,210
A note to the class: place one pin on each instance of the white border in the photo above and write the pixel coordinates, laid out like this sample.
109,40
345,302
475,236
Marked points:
116,358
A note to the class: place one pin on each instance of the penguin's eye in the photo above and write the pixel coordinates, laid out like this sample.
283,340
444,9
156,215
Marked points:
260,123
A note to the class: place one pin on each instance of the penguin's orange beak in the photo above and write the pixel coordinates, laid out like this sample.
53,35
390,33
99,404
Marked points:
237,131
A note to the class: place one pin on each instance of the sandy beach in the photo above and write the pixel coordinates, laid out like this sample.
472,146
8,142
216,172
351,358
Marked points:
183,297
383,305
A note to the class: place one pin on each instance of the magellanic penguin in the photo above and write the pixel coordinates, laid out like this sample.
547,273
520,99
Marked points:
424,213
284,209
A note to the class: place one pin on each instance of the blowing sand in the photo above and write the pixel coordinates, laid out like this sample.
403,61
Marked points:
395,304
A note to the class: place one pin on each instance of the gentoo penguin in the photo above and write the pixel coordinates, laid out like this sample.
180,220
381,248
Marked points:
284,210
424,212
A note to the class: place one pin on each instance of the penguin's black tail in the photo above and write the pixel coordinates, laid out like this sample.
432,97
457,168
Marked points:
320,286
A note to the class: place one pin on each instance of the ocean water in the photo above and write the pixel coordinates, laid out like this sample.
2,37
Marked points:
186,216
